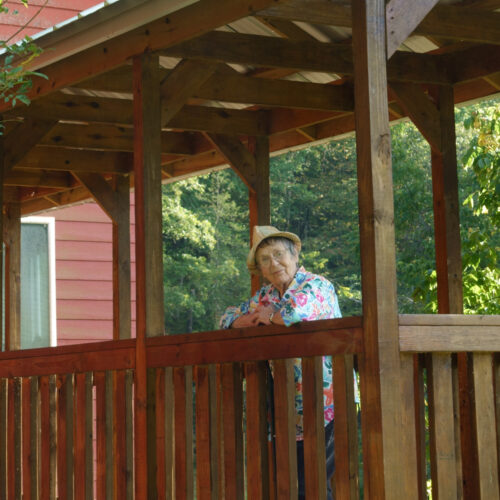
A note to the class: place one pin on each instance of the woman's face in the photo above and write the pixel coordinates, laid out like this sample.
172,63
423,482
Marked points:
277,264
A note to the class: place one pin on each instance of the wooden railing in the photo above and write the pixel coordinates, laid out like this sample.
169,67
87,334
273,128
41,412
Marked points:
451,395
66,415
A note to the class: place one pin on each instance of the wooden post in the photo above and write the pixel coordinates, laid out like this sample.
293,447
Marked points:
149,261
449,287
380,364
12,239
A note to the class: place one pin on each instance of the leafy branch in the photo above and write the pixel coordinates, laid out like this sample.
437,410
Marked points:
15,77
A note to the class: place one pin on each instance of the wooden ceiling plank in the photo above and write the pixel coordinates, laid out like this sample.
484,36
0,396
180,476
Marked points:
303,55
445,21
280,93
237,154
180,84
494,80
38,178
286,29
48,158
402,17
422,111
178,26
23,138
101,191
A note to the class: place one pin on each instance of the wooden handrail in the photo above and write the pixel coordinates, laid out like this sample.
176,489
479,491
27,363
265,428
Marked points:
337,336
449,333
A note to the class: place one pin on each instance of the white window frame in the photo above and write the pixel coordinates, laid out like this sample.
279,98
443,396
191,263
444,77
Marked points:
51,236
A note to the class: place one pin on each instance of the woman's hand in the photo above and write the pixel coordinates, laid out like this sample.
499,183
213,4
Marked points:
264,313
250,319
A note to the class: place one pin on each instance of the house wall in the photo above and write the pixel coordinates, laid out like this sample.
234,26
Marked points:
53,13
84,274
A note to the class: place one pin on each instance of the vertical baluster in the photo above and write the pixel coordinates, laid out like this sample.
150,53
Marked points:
496,379
3,438
441,426
284,418
108,390
203,425
485,425
52,437
419,399
256,431
14,438
160,433
232,418
119,430
45,438
183,393
80,438
314,430
214,442
89,445
26,438
169,433
35,437
346,429
62,416
100,386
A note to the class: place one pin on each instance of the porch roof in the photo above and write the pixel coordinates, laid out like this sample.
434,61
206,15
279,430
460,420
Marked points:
285,71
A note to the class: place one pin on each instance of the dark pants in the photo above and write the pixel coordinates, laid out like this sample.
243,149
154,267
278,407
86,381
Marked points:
330,463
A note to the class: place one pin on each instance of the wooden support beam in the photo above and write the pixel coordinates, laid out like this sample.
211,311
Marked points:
238,155
47,158
180,25
39,178
421,110
445,21
302,55
402,17
283,93
23,138
184,80
119,111
149,259
473,62
112,137
380,364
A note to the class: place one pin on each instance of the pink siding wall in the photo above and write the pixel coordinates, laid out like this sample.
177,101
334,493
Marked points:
84,281
54,12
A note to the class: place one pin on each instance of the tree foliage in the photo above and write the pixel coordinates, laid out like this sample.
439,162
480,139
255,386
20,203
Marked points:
314,194
15,77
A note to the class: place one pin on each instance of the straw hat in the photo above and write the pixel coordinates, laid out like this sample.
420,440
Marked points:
261,233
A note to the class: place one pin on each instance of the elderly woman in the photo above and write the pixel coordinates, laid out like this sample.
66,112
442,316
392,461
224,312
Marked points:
291,295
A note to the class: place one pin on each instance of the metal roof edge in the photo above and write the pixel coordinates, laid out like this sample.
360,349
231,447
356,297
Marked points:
98,24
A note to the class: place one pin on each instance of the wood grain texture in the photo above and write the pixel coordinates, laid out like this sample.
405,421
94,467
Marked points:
485,425
314,430
80,437
284,418
442,425
402,17
203,436
181,25
181,84
232,418
257,462
380,364
422,111
449,338
100,424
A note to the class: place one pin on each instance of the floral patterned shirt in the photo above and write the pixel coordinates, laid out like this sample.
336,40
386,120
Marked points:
309,297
